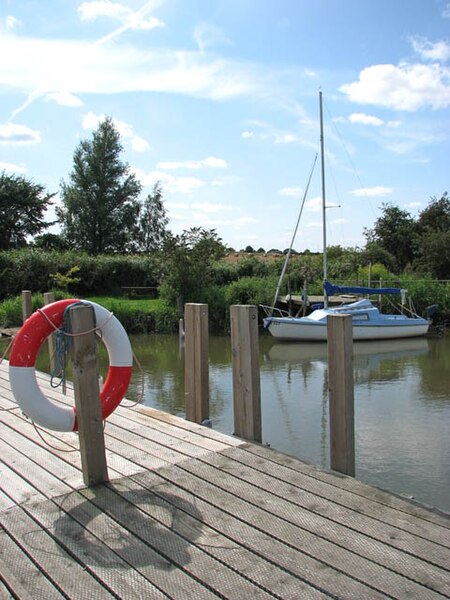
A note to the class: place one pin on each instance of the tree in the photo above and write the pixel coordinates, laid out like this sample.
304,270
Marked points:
395,232
100,208
189,258
22,207
153,221
436,216
50,241
434,238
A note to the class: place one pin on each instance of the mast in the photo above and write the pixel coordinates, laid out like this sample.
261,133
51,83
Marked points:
324,222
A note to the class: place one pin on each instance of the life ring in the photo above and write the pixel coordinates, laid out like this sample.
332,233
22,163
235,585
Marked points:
22,373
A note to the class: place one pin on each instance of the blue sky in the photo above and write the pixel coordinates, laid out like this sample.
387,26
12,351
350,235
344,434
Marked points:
218,100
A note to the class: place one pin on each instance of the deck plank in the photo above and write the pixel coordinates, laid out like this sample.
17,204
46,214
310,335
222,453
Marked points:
191,512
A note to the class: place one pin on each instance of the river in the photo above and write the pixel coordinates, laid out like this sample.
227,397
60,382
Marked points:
402,404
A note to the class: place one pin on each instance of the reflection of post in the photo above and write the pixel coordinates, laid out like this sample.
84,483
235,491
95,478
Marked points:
340,369
27,304
246,376
49,297
87,396
196,370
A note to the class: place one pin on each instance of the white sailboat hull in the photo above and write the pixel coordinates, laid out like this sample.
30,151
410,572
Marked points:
291,329
368,324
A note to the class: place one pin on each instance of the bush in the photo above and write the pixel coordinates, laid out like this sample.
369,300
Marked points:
35,270
249,290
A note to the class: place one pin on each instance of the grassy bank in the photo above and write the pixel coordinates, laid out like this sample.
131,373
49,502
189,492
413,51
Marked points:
136,315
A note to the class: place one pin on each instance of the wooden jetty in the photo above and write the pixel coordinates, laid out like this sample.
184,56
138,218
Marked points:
192,513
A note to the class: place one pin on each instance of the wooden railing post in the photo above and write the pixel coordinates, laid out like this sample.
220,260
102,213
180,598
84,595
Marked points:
246,375
49,298
87,395
340,373
27,304
196,368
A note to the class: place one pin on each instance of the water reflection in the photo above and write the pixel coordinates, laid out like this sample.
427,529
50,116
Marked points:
402,403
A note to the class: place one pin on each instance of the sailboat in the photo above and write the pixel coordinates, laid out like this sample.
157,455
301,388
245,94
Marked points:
367,320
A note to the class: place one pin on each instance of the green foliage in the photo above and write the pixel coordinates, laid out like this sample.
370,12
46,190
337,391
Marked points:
189,260
33,269
11,308
62,282
100,211
153,221
22,208
249,290
141,316
395,232
375,272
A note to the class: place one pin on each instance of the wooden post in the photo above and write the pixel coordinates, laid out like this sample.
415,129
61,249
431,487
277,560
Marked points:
246,375
87,396
340,370
27,305
196,368
49,297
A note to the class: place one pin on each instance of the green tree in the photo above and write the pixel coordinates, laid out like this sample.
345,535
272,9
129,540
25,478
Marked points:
22,208
436,216
189,259
100,210
434,238
50,241
395,232
153,221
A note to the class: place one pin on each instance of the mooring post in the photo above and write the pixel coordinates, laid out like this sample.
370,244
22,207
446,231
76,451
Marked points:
340,374
49,298
87,395
196,367
27,304
246,374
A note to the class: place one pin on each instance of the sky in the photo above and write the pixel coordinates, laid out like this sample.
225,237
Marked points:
218,100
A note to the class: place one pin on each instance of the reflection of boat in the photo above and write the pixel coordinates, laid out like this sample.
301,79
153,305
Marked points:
368,322
296,353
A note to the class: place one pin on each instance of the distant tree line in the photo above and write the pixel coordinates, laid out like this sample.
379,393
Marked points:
101,213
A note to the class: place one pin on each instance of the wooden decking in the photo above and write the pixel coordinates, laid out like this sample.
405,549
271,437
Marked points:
191,513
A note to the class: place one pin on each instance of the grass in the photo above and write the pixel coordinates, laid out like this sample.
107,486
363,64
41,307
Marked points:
136,315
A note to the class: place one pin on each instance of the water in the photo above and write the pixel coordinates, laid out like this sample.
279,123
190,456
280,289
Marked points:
402,404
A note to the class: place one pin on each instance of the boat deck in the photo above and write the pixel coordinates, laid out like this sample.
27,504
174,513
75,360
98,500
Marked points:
192,513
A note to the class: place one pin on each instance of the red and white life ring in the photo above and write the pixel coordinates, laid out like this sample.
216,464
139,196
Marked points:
22,373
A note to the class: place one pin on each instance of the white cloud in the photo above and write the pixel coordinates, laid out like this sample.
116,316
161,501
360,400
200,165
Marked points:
314,204
80,67
5,166
11,22
207,35
446,11
403,87
365,119
293,192
91,121
210,161
439,51
247,134
208,207
10,133
64,99
90,11
373,192
169,182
